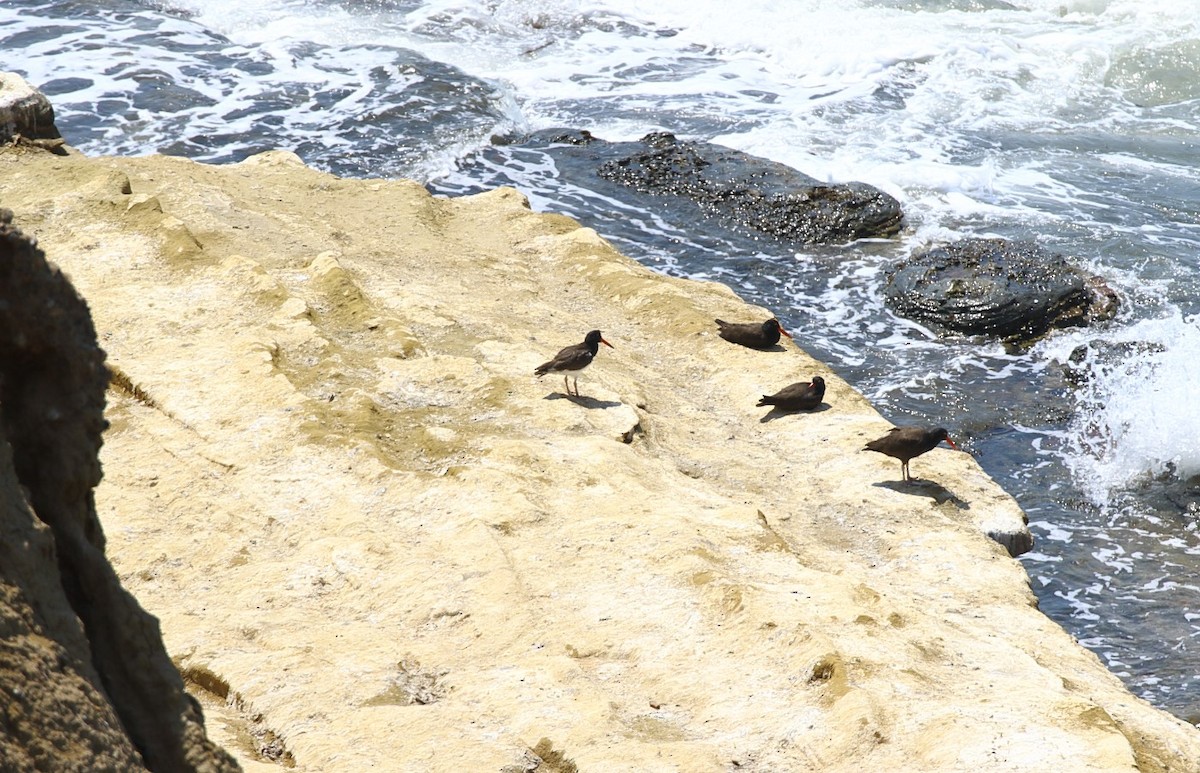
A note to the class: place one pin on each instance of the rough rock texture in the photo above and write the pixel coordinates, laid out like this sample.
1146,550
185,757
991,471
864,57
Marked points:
376,541
743,192
24,111
759,194
1011,290
74,639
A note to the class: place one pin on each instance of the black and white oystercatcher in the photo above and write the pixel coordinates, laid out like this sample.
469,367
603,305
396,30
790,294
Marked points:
575,357
904,443
756,335
797,397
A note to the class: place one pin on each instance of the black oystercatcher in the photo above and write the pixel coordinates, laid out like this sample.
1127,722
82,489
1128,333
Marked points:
797,397
575,357
756,335
904,443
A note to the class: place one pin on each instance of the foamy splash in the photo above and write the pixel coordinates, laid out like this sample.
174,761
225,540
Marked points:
1138,419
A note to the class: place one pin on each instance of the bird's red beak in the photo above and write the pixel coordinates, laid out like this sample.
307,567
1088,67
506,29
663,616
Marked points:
781,330
951,442
606,343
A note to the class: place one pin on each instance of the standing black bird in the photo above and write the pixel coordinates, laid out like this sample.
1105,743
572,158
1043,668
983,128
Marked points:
756,335
575,357
904,443
797,397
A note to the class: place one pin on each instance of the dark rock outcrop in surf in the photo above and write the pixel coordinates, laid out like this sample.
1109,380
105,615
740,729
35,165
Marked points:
744,193
751,192
1011,290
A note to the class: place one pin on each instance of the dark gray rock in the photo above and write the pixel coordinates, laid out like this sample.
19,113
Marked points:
745,194
1016,291
755,193
85,679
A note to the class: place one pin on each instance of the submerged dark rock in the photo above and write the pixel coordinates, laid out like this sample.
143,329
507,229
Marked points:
743,193
1016,291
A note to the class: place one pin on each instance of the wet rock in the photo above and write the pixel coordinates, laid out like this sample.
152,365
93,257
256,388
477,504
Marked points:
756,193
553,137
1017,540
1011,290
744,193
1101,356
25,113
87,680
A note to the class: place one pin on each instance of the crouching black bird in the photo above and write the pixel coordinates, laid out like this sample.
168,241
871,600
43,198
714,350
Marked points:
756,335
797,397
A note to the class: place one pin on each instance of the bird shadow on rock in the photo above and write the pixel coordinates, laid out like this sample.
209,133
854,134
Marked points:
774,348
925,488
583,400
779,413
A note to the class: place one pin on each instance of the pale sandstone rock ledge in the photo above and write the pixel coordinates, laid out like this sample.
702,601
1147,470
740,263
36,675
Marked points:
376,542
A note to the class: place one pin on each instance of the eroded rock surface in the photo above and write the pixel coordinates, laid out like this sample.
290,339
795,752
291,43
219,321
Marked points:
992,287
379,542
88,685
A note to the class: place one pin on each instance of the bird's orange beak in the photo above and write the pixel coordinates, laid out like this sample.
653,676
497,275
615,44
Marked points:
781,330
606,343
951,442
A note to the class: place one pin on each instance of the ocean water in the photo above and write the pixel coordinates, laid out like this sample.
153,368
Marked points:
1072,122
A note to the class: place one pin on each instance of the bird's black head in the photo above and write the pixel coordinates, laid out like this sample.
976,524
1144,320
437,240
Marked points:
594,339
772,326
941,433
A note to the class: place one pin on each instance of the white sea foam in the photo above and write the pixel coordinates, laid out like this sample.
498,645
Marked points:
799,82
1140,420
